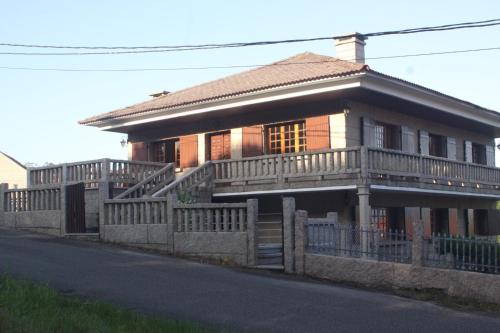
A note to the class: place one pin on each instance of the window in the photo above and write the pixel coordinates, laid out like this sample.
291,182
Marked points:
286,138
167,151
440,220
388,219
437,145
387,136
478,153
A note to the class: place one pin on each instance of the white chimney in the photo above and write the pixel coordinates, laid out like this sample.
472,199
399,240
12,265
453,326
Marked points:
351,47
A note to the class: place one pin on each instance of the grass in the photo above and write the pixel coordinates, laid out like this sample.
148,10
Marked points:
26,307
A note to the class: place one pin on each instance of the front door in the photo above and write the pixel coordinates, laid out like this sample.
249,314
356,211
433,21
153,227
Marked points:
220,146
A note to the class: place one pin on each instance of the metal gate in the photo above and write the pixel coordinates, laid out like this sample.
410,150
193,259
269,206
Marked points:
75,208
270,239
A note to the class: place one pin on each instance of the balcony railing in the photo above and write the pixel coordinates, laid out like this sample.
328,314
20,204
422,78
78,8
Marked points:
121,172
358,163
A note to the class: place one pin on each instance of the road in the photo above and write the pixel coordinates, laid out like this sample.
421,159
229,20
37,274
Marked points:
220,297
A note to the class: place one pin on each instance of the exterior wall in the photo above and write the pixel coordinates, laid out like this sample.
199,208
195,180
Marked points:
12,173
47,221
359,110
230,247
480,286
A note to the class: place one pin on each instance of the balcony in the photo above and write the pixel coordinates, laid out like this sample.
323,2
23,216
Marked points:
346,168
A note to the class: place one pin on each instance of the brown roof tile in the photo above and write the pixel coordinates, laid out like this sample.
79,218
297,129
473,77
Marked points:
299,68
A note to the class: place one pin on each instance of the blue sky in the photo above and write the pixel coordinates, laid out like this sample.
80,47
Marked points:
39,110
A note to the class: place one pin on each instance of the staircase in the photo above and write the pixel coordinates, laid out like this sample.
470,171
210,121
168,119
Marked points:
151,184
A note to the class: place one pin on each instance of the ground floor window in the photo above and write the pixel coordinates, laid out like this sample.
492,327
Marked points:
286,137
388,219
440,221
167,151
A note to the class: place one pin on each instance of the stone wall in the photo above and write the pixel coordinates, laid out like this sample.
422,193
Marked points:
226,246
46,221
479,286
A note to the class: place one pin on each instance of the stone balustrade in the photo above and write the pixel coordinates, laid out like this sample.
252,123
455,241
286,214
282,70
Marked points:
120,172
23,200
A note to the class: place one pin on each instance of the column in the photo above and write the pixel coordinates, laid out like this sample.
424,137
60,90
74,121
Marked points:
300,241
288,233
364,217
252,215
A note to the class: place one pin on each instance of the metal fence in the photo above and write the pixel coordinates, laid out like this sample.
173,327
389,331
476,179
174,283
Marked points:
325,237
462,253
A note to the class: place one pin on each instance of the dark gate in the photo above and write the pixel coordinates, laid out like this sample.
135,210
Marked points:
75,208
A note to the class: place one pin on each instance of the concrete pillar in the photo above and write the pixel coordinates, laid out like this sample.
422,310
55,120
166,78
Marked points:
364,217
417,242
62,228
300,241
202,146
104,194
338,130
3,187
129,150
252,216
471,224
288,234
171,201
236,142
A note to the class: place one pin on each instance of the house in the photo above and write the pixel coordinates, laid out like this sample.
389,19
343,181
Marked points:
335,134
12,172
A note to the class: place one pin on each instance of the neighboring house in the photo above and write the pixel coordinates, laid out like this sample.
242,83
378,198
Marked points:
335,134
12,172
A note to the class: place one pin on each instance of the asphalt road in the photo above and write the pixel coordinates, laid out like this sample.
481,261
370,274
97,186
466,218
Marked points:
221,297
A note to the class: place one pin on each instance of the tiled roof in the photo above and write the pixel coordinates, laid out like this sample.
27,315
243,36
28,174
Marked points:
300,68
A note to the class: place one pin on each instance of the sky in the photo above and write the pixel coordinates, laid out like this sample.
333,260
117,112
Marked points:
40,110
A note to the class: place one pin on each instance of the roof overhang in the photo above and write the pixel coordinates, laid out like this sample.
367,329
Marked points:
371,81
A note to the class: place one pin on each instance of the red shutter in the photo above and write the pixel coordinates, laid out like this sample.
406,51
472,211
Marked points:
318,133
139,151
252,141
220,146
453,221
189,151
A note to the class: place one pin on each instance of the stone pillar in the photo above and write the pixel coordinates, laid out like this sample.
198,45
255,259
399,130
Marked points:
104,194
62,228
236,143
3,187
300,241
417,245
252,216
288,234
202,146
171,201
364,217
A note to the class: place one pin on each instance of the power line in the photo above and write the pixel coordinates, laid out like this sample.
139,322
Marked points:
242,66
111,50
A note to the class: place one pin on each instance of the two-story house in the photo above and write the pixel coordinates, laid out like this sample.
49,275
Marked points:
335,134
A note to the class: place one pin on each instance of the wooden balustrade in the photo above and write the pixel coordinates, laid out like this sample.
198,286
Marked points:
120,172
151,184
208,217
23,200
